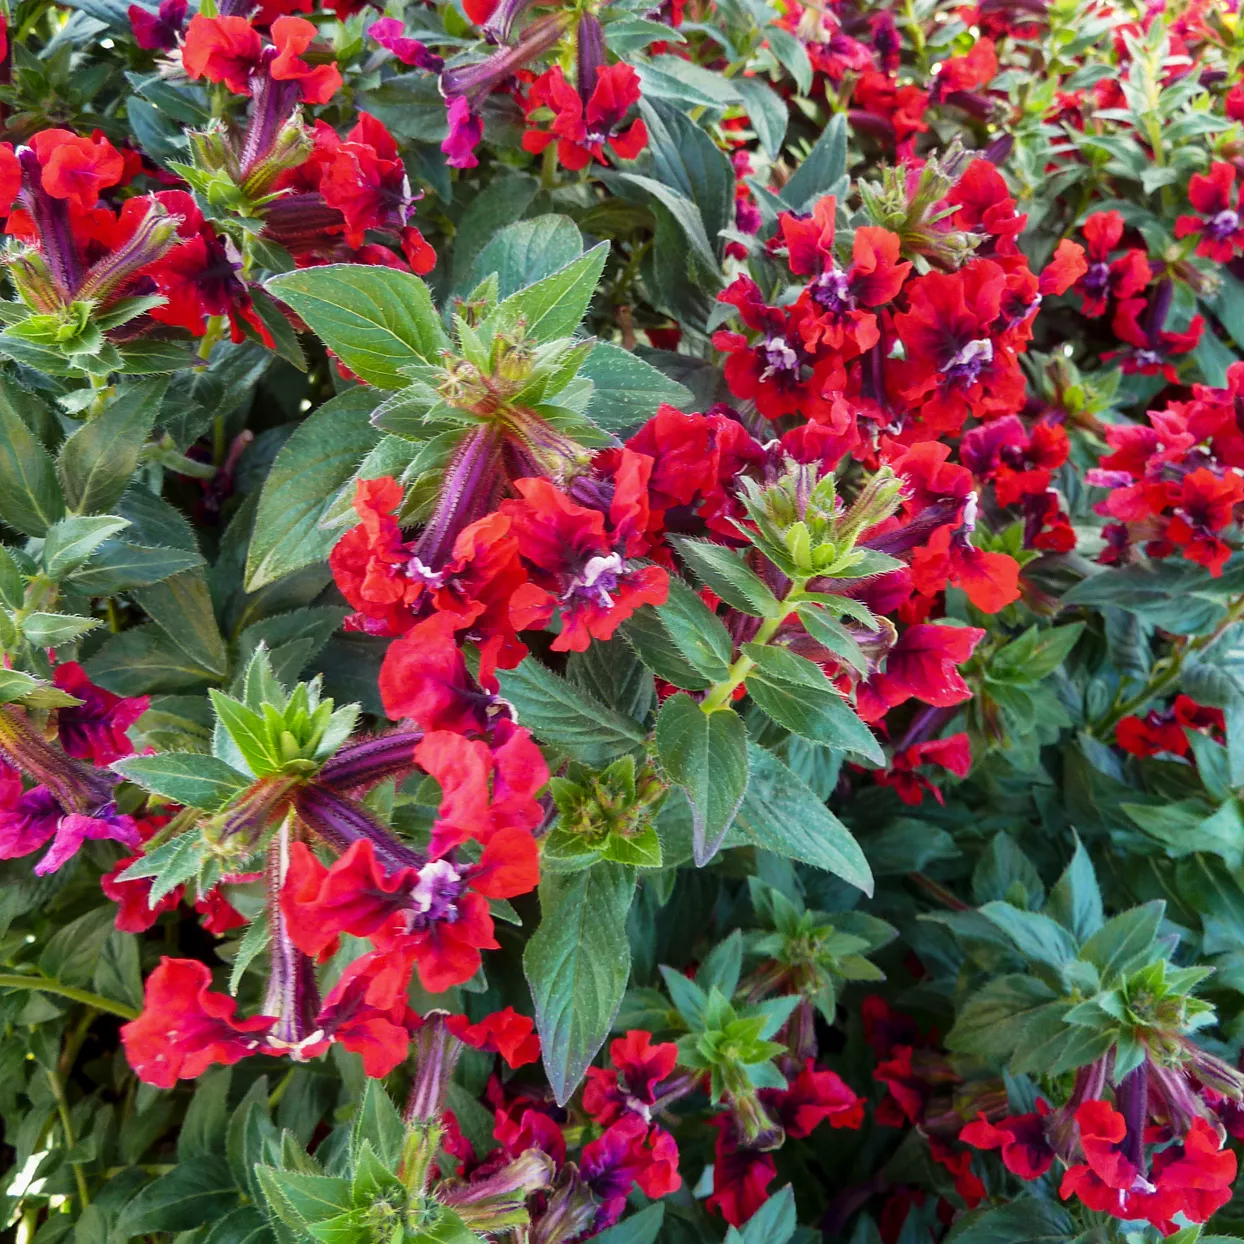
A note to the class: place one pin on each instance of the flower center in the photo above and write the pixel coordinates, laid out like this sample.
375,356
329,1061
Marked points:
1097,279
1223,225
598,580
780,358
435,895
832,291
965,367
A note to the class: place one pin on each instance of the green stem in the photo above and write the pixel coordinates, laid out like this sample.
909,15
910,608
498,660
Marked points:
1164,678
277,1093
719,694
62,1108
11,980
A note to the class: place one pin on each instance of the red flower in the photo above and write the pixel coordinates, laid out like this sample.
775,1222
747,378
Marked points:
1021,1138
219,915
291,36
367,1013
1104,279
222,49
76,169
833,299
133,898
955,365
953,754
507,1033
1019,462
185,1027
741,1177
27,818
95,729
579,567
436,916
1205,505
812,1098
1219,225
632,1084
484,789
922,664
629,1153
778,372
1151,344
583,128
424,677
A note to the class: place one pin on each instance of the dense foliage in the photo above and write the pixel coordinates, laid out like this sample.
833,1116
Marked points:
622,622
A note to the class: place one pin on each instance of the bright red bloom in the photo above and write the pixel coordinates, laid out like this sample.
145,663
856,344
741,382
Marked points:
1205,505
922,664
629,1153
778,371
583,129
1020,463
1165,731
95,729
1219,225
507,1033
134,911
1105,279
484,789
436,915
1021,1138
366,181
291,36
984,202
741,1177
1151,344
956,364
185,1027
812,1098
76,169
953,754
579,566
632,1083
217,915
222,49
1067,266
833,300
424,677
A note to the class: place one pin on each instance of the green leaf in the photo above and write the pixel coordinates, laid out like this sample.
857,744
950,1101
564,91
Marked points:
647,634
792,55
207,1117
71,541
784,686
1075,901
376,319
1038,938
96,462
626,391
526,252
823,167
502,201
557,712
143,660
705,754
71,954
725,572
780,813
117,567
244,1225
182,607
577,964
555,306
687,160
300,1199
1125,942
33,692
378,1122
697,632
1028,1220
192,1193
831,634
994,1020
49,630
317,461
641,1228
30,497
766,109
189,778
